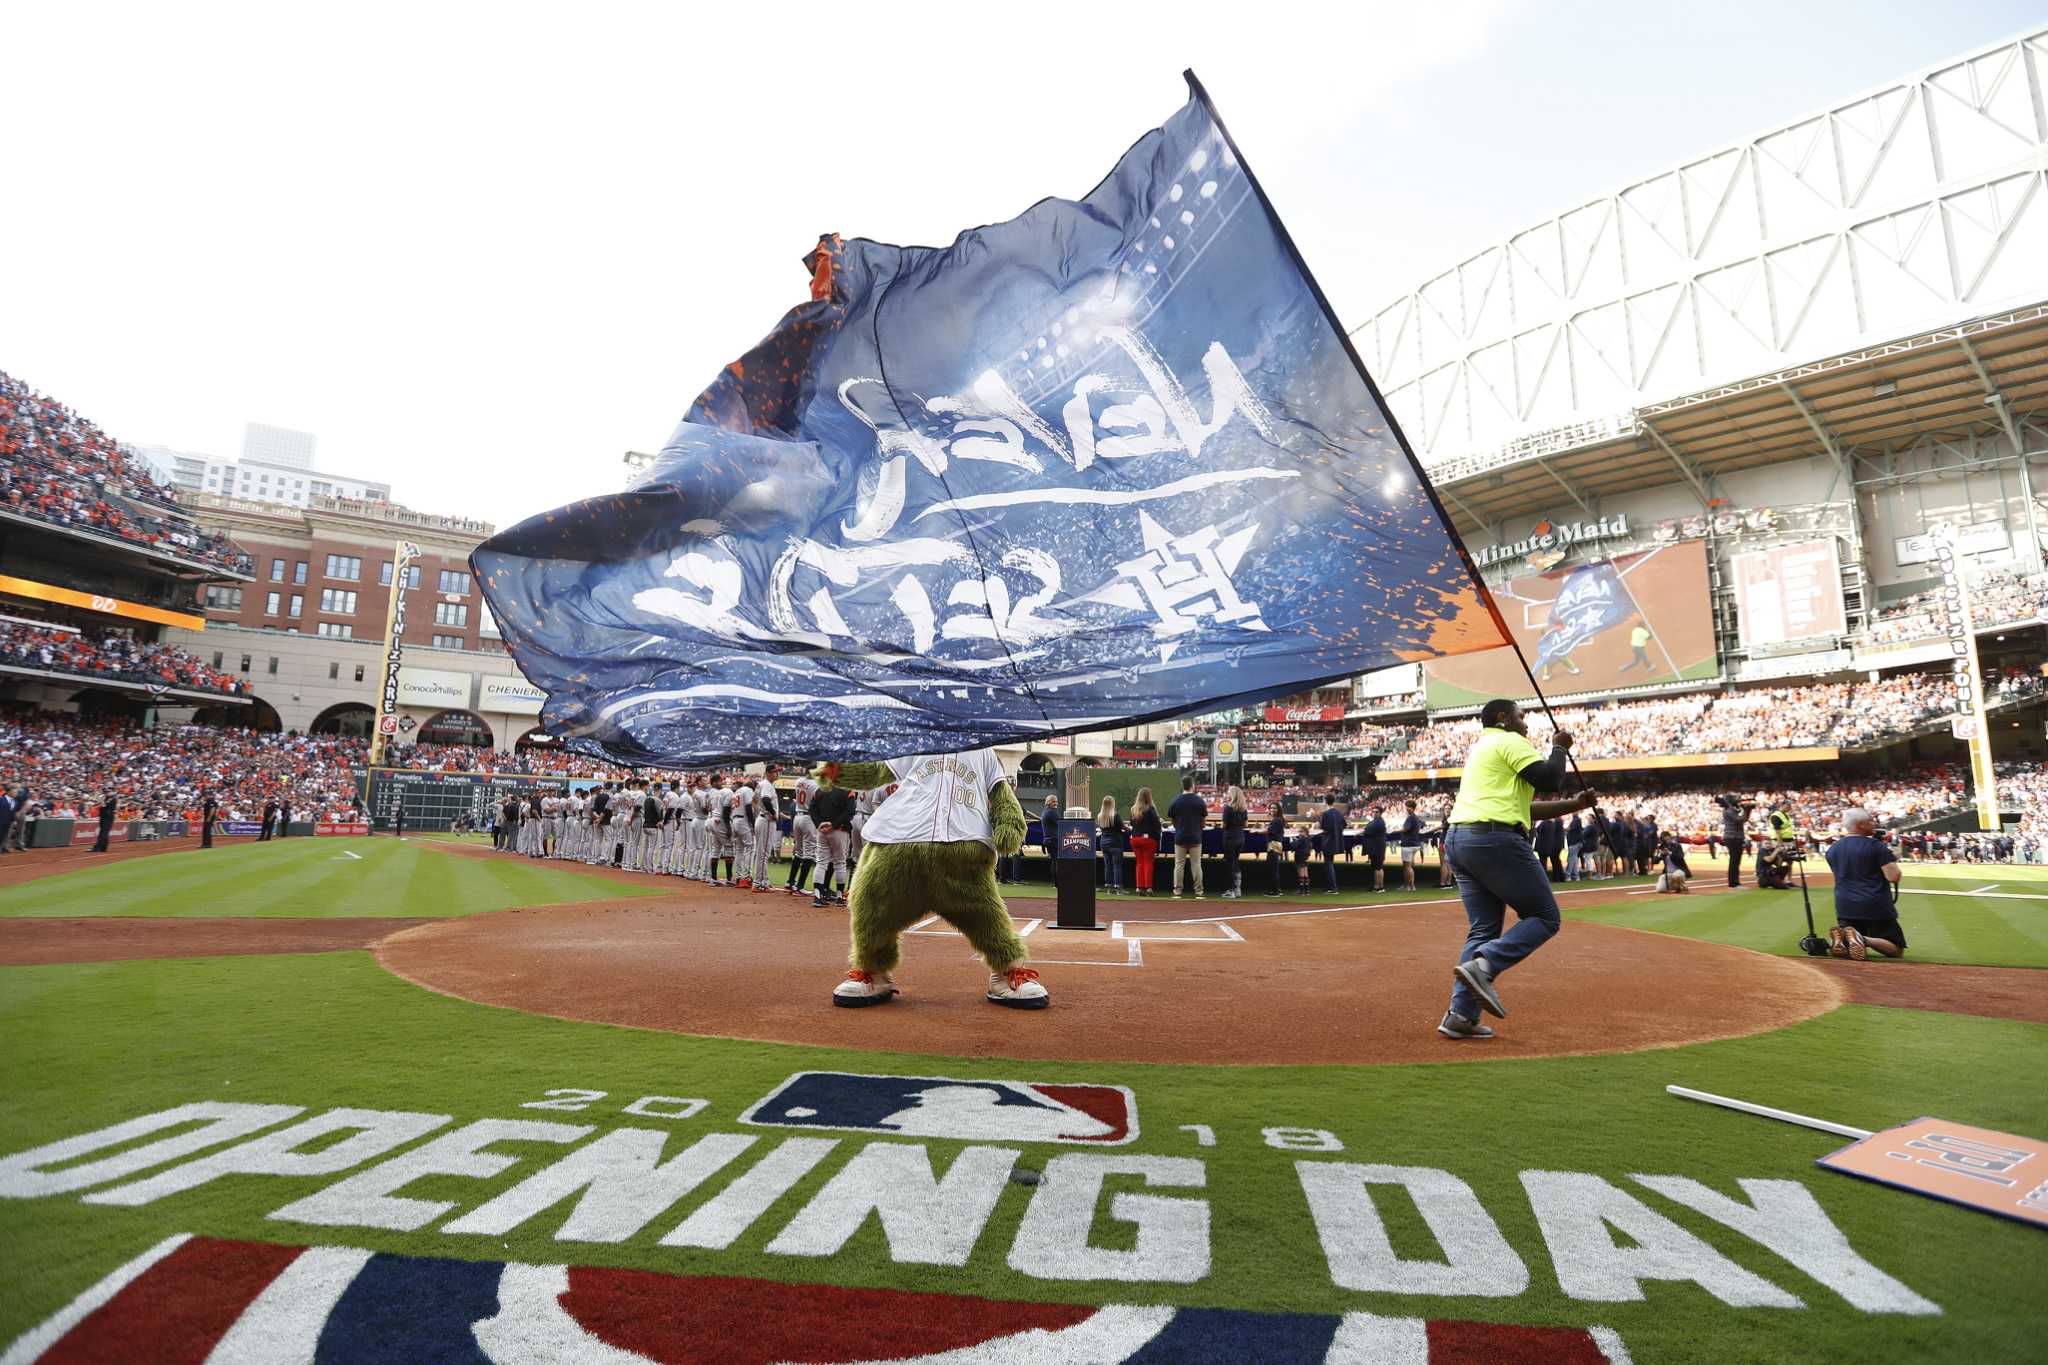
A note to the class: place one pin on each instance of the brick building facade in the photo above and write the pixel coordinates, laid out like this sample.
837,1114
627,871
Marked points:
326,570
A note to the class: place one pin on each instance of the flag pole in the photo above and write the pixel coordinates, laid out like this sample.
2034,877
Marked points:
1393,424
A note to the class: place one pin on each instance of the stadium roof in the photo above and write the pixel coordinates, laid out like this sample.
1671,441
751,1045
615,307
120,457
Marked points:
1988,375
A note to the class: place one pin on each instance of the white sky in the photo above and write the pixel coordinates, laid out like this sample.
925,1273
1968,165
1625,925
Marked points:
483,250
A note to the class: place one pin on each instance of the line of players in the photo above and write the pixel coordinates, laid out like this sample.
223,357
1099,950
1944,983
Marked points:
714,828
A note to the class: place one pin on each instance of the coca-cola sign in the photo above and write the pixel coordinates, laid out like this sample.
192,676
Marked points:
1286,713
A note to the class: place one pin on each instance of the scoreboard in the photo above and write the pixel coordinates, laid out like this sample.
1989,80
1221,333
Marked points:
434,800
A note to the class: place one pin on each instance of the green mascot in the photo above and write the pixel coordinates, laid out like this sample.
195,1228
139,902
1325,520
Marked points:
930,849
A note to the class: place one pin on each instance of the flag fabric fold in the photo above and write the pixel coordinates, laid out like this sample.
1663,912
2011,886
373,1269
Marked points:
1107,462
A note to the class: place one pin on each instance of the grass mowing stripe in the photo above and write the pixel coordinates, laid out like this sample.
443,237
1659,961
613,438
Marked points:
1974,930
308,878
92,1044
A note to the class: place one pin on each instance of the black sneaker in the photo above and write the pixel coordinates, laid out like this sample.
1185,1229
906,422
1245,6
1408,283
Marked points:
1458,1026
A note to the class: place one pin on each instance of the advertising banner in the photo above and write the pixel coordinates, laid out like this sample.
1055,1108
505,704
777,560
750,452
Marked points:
1820,753
1398,681
340,827
1967,674
1788,593
1637,618
432,687
1980,538
511,697
403,553
1301,713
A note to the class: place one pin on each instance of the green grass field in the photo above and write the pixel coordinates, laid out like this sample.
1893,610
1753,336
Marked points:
308,879
92,1045
1999,926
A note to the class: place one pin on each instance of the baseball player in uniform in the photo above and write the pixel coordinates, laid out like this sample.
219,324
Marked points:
625,825
550,825
700,828
743,835
600,817
863,807
767,827
720,832
678,844
831,812
803,853
572,816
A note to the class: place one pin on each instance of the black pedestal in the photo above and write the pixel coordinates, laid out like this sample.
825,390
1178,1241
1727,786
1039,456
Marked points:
1073,876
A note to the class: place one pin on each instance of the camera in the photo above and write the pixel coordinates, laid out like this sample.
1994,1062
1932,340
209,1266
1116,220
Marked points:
1729,801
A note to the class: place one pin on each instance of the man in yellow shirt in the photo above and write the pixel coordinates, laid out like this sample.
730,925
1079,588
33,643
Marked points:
1639,645
1487,848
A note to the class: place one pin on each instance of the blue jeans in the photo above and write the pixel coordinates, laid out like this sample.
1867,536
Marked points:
1112,862
1497,871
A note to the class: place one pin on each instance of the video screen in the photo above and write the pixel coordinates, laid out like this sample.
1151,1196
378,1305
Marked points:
1633,619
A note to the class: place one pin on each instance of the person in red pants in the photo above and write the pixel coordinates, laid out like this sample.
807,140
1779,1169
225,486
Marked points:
1145,828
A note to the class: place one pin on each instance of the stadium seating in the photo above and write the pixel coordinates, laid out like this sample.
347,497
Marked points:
1843,715
96,654
2000,597
57,467
68,763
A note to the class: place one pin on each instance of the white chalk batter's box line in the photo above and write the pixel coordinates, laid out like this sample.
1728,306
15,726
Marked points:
1117,929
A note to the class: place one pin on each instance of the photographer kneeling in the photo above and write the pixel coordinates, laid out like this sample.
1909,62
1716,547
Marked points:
1866,917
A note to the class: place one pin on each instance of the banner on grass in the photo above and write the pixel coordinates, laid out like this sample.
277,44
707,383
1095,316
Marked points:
1106,462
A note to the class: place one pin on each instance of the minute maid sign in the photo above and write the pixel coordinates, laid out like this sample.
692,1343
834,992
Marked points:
1550,542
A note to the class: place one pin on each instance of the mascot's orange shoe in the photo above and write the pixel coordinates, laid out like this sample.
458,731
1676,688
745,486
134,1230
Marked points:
867,988
1018,988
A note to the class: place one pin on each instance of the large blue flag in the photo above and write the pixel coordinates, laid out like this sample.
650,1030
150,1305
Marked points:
1107,462
1593,599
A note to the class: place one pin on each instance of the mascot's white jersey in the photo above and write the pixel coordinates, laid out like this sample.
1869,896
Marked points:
940,799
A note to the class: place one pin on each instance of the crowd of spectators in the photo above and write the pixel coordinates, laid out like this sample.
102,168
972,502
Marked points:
111,654
1806,715
57,467
2024,787
1999,597
1901,799
69,764
540,760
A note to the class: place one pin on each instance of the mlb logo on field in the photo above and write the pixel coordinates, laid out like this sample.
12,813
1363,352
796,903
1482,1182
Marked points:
942,1107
